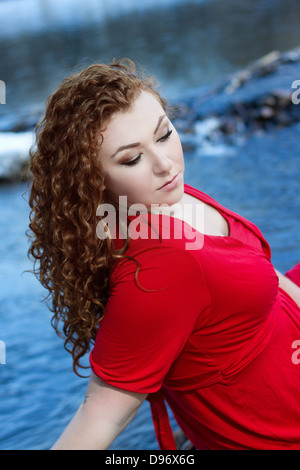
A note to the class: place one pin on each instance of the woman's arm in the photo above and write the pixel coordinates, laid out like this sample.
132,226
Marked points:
102,416
289,287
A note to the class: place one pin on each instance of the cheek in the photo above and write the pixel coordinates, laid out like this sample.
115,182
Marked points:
128,181
177,149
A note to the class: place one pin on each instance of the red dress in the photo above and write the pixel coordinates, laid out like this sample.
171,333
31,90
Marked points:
210,332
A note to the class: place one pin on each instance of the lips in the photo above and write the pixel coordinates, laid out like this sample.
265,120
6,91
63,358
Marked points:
168,182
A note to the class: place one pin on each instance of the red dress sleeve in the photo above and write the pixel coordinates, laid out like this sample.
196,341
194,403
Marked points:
294,274
148,321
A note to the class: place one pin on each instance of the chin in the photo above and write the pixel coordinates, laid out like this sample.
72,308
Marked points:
173,197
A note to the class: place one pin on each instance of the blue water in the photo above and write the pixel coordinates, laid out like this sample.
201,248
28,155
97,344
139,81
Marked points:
258,178
39,392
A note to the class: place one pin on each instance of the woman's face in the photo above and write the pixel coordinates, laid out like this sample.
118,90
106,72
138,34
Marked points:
141,151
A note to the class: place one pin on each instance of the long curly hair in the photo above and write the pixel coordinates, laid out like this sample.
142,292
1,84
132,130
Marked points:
70,261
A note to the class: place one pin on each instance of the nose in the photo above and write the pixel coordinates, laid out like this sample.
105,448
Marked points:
161,163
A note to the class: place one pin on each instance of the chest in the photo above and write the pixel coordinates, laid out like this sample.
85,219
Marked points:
243,290
203,217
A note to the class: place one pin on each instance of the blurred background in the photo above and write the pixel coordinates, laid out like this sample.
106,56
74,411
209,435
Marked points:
240,138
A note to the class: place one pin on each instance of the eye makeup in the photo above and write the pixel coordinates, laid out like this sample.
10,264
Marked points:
133,162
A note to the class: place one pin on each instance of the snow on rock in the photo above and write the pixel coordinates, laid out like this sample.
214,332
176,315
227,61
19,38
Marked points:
14,153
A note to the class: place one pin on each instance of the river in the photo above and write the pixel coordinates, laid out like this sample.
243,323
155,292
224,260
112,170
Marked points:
186,45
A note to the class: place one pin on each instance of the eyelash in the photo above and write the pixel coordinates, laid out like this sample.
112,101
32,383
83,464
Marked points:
137,159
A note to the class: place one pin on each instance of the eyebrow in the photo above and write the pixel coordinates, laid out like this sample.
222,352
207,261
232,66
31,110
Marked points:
159,122
124,147
136,144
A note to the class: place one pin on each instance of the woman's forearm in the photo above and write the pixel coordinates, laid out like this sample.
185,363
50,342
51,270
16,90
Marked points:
105,412
289,287
88,431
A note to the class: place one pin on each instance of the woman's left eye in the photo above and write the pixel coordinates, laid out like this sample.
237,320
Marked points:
137,159
132,162
165,137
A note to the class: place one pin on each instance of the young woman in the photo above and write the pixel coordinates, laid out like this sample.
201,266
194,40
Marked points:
182,306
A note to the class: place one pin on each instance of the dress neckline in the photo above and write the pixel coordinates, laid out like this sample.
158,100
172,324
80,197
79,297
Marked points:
210,202
230,216
207,200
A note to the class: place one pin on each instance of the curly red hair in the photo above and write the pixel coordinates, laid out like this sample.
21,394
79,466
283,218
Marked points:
73,263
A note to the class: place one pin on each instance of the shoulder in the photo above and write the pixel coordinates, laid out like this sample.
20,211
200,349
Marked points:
155,263
247,223
188,189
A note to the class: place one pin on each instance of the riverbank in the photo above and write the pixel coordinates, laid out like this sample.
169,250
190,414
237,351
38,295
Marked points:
257,99
211,120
